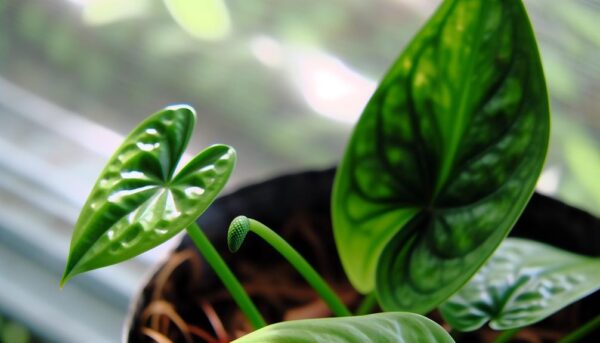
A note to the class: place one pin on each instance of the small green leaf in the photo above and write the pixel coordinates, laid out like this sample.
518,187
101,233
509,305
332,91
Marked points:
381,327
523,283
445,156
137,203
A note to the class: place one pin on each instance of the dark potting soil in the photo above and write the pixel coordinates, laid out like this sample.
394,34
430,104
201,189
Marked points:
184,301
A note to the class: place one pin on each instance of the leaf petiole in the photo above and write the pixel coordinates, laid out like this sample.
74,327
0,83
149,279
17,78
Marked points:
237,232
582,331
367,304
507,335
232,284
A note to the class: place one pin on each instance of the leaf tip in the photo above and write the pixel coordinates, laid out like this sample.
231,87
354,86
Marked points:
68,273
185,109
223,152
64,279
181,107
227,149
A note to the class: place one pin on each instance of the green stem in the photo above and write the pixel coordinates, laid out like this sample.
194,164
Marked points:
582,331
506,336
305,269
232,284
367,304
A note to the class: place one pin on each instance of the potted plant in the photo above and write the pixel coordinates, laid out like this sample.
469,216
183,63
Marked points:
439,168
185,285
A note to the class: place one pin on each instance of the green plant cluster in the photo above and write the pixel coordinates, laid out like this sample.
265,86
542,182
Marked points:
438,169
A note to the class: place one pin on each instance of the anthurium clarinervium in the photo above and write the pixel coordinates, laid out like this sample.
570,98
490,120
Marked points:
524,282
445,156
138,201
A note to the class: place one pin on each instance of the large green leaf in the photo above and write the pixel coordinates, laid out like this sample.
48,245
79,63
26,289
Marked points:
381,327
523,283
137,202
445,156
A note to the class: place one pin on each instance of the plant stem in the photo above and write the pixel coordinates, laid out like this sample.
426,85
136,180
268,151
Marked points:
367,304
305,269
506,335
232,284
582,331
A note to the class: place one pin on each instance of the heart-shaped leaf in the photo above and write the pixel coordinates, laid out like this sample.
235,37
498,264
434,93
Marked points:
523,283
381,327
445,156
137,202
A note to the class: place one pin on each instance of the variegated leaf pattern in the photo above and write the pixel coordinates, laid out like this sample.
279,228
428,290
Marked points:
445,156
524,282
138,202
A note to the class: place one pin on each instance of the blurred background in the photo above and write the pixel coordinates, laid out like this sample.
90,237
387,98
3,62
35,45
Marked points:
281,81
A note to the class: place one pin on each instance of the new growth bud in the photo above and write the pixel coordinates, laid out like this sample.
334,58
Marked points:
238,229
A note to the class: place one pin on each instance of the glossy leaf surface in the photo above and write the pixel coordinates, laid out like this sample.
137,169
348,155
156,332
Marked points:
138,202
523,283
445,156
381,327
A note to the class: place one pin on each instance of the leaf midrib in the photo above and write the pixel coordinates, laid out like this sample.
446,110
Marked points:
158,188
458,128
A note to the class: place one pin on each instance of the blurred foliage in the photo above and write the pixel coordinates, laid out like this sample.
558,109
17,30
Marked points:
203,19
582,19
584,162
102,12
579,160
14,332
116,63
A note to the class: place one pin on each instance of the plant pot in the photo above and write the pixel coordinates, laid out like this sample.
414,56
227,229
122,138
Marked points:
185,296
